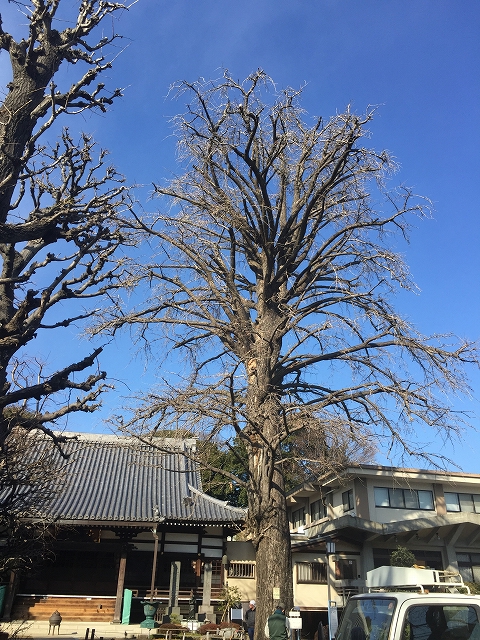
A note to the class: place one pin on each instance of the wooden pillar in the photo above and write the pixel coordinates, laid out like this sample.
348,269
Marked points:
117,618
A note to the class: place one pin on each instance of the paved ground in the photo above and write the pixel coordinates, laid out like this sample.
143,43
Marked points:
38,630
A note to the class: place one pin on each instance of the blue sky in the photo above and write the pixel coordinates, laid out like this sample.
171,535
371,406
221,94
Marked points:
417,60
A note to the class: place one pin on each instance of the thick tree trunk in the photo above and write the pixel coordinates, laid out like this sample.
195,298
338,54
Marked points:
273,557
268,523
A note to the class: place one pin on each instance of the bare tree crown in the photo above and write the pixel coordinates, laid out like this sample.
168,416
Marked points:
276,248
59,203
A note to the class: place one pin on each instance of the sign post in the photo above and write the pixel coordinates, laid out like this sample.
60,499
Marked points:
295,623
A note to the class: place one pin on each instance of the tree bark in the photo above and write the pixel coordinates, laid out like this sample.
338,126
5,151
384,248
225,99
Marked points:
273,554
17,115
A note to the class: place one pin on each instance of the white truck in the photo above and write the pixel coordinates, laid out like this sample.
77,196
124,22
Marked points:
411,604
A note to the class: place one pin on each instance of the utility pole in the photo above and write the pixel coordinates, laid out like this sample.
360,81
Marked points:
330,551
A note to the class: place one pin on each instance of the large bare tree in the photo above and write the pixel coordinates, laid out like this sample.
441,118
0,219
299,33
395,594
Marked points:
59,229
274,275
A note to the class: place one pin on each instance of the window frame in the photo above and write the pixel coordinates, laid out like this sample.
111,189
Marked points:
311,567
347,500
340,563
460,497
321,510
241,570
298,523
398,498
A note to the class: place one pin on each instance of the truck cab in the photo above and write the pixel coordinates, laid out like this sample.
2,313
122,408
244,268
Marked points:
418,606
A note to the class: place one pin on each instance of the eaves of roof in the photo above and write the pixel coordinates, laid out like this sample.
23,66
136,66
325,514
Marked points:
353,528
121,482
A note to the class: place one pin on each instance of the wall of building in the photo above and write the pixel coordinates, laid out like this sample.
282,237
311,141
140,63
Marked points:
443,534
309,595
241,562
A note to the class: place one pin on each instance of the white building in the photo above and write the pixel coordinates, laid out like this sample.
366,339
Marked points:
369,510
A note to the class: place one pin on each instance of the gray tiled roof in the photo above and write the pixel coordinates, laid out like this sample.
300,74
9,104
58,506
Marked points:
114,479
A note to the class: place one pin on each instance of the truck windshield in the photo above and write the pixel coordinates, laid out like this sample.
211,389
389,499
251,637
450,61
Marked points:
366,619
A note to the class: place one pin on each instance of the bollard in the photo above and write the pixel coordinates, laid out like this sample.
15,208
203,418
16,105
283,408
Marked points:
87,633
92,635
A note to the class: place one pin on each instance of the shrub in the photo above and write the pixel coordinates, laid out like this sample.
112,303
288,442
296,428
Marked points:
228,625
175,618
170,625
402,557
208,626
230,597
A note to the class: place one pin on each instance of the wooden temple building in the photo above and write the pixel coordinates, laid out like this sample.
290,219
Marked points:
131,519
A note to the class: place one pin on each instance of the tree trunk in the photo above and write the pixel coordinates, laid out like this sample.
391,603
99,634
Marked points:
268,522
17,119
273,557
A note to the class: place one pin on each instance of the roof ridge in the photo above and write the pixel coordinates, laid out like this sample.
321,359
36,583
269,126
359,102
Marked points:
223,503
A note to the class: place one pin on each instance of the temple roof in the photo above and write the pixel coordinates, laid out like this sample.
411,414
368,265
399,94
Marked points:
117,480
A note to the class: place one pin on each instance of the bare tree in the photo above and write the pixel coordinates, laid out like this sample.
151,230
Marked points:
59,228
28,464
274,275
58,206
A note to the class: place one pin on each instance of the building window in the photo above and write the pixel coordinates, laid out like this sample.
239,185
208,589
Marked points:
425,500
241,570
467,502
311,572
345,569
423,558
317,510
347,500
404,498
469,566
298,518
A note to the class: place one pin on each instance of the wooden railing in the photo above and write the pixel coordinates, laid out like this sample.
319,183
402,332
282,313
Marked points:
184,595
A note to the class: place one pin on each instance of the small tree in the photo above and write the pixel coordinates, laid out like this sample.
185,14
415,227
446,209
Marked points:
273,275
59,231
402,557
230,598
